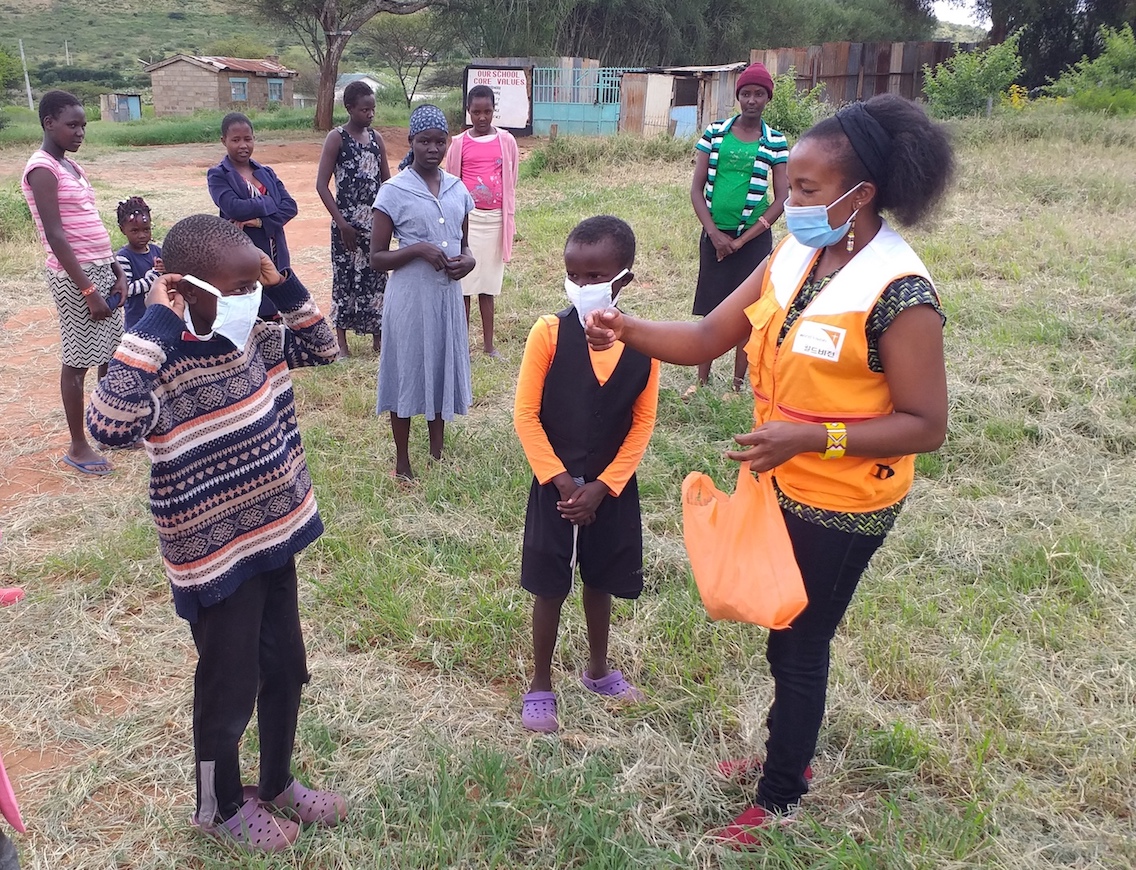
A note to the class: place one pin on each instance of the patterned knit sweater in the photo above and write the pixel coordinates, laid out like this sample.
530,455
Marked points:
229,487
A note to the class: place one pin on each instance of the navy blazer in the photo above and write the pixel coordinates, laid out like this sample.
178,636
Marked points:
274,208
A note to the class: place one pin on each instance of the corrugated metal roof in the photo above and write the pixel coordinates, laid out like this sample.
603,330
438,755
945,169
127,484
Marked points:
262,67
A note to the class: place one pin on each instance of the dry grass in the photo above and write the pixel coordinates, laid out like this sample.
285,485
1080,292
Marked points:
982,710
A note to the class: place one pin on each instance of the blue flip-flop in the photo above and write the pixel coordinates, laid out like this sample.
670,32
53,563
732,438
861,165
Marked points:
97,467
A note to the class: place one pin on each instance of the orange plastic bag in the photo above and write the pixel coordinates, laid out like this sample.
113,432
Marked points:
740,552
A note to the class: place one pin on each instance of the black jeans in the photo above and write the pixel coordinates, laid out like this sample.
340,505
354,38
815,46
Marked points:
250,651
831,563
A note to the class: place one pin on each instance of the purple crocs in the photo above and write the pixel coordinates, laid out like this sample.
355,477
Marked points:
613,686
253,828
538,712
307,805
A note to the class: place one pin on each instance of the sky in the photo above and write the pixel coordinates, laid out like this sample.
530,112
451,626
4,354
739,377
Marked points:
963,14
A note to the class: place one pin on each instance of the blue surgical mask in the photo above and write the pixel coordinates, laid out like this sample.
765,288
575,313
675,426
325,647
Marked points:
809,223
590,297
236,315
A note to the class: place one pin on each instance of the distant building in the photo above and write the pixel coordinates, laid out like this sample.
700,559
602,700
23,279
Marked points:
120,107
347,78
185,83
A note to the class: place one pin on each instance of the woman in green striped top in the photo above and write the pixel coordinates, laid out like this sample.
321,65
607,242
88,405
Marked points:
735,160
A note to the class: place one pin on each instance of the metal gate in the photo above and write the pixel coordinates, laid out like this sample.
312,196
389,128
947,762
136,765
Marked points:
580,101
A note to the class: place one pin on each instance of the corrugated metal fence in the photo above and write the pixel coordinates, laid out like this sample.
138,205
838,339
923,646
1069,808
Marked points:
853,71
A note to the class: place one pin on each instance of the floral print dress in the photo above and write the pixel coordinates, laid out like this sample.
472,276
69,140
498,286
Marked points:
356,289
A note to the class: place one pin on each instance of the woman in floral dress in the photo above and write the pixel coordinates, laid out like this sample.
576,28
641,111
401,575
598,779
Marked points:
355,153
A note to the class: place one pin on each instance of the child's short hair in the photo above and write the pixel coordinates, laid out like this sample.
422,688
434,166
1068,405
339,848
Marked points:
478,92
54,102
606,227
134,206
197,245
234,118
354,92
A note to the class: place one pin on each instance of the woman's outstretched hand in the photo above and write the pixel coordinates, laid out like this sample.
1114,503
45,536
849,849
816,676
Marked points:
604,328
774,443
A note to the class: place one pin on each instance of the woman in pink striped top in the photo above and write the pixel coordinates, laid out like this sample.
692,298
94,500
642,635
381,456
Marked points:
86,282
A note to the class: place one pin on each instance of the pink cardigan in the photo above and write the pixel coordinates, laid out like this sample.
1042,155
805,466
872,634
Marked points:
510,158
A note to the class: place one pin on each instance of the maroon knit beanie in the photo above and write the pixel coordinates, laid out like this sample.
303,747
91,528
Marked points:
754,74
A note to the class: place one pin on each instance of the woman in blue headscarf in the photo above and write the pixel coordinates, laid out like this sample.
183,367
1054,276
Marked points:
424,361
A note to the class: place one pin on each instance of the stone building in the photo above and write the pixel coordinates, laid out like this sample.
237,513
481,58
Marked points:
185,83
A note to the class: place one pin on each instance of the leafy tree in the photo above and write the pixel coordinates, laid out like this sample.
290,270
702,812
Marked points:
324,28
10,69
1054,33
238,46
407,44
648,32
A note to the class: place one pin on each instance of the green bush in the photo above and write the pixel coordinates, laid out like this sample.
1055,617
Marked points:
15,216
790,112
961,85
1107,100
1108,82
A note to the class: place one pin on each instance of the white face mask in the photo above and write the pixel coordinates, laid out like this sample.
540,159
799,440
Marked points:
236,315
590,297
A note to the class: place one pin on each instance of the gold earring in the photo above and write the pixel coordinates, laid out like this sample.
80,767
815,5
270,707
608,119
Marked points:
852,235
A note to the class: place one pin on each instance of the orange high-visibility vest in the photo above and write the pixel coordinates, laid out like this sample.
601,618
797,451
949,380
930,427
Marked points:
820,372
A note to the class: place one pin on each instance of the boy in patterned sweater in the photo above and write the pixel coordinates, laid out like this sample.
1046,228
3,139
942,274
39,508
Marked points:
207,387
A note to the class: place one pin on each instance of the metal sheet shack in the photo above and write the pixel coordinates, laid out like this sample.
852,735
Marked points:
680,100
120,107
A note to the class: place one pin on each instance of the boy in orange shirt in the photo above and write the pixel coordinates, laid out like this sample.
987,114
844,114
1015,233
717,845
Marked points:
584,418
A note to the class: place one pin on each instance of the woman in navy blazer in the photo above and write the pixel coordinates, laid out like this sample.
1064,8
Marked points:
250,195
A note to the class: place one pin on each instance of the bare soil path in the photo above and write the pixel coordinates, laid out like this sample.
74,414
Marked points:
33,434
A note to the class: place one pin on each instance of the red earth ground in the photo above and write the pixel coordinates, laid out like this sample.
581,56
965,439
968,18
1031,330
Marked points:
32,430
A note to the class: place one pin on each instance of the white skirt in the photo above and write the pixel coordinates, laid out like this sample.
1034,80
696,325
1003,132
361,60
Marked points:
485,228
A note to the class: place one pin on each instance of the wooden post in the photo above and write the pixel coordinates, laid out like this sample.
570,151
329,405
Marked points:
672,127
552,131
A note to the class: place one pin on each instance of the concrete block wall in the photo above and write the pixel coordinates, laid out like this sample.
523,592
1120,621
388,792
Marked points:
181,88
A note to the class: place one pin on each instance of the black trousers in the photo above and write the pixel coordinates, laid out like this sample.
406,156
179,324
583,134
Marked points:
831,564
250,652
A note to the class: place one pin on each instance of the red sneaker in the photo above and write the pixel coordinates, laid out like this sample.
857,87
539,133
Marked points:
745,832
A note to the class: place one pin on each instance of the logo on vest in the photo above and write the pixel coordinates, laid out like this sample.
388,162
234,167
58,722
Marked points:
819,340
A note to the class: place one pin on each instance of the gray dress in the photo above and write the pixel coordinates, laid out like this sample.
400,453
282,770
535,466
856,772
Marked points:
424,361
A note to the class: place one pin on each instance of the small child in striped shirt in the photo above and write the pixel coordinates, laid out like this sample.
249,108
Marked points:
140,258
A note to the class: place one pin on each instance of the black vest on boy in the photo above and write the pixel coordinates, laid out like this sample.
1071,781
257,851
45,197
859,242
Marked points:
587,423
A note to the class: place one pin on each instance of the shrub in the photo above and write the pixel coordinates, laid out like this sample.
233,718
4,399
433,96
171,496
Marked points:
790,112
1119,101
961,85
15,217
1108,82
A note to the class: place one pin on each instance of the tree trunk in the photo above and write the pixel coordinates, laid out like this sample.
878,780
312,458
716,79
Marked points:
328,73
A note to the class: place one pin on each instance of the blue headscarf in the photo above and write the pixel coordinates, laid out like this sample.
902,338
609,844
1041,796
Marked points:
425,117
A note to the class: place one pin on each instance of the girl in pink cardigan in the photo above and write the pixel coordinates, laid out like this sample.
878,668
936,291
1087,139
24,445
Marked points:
485,158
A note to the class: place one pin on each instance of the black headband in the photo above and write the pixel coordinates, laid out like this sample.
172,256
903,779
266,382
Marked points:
869,139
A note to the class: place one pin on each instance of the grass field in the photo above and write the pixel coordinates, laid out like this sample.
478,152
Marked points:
119,35
982,710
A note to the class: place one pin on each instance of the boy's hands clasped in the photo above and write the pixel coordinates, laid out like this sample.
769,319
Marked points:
578,504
